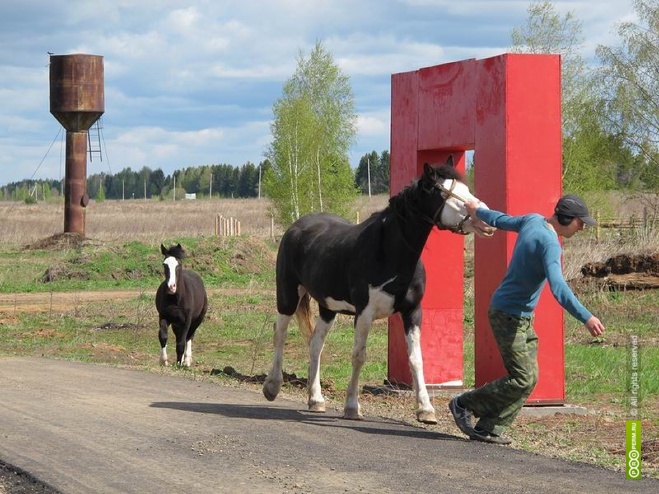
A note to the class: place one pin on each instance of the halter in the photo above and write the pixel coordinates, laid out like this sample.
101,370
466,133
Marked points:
436,219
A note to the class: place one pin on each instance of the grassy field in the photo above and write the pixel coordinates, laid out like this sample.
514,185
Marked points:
93,301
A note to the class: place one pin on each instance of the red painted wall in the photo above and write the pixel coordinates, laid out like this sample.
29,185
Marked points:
506,109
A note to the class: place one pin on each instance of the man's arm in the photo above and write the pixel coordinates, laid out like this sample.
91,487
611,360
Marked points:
564,294
496,219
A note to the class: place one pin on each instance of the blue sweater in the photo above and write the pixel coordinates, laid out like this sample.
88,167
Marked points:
536,258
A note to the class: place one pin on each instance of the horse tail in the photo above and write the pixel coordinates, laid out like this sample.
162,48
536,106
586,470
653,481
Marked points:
304,316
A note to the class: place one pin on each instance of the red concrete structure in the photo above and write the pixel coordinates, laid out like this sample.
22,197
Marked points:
507,109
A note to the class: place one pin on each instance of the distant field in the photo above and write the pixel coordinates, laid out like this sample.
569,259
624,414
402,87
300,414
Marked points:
155,221
151,220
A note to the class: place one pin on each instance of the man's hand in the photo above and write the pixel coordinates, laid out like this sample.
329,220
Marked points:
471,207
595,326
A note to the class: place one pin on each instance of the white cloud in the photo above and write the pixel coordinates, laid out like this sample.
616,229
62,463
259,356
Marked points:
191,82
373,125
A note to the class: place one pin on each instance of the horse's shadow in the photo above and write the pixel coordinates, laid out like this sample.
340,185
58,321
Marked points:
256,412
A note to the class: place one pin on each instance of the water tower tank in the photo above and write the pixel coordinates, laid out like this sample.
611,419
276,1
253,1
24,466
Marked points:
77,97
77,100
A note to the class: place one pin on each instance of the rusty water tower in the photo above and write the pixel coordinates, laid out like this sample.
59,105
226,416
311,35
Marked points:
77,100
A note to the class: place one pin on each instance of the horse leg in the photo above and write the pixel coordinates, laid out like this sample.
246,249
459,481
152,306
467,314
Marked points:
324,323
275,379
425,412
187,355
352,409
181,332
162,336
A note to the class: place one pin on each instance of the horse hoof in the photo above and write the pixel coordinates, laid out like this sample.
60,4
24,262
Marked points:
271,390
164,363
317,407
426,417
352,414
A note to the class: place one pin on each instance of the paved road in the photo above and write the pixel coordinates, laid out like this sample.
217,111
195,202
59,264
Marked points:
85,428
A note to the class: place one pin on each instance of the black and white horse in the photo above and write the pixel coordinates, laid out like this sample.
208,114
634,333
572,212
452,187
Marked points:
181,301
370,270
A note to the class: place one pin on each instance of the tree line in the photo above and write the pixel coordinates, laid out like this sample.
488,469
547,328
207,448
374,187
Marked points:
220,181
217,180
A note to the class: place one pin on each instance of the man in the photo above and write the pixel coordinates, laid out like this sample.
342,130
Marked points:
536,258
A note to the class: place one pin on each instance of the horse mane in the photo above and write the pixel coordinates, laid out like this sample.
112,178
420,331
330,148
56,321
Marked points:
409,194
175,251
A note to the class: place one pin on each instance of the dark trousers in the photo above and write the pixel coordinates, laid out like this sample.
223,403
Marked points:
498,402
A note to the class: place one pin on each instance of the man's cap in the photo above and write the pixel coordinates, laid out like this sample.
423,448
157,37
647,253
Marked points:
574,206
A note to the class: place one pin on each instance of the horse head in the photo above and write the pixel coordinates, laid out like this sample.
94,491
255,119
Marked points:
450,214
173,264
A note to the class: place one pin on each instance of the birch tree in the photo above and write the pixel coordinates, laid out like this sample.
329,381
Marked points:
313,128
629,78
588,163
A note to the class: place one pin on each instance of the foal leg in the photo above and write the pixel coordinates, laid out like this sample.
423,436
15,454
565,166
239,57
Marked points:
273,382
324,323
352,409
162,336
425,412
181,332
187,356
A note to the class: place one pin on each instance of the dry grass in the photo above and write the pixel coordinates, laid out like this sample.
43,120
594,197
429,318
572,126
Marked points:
152,220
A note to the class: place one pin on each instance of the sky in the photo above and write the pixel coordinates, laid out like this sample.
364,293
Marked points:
193,82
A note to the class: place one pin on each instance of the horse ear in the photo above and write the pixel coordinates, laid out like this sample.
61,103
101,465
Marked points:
163,250
429,171
449,161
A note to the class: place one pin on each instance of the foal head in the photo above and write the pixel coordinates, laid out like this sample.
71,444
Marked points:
448,194
173,264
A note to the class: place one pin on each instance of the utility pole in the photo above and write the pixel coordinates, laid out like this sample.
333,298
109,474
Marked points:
368,173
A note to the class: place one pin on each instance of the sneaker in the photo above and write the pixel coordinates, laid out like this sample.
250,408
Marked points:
487,437
463,417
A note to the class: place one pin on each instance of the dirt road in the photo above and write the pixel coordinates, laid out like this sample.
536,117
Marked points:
85,428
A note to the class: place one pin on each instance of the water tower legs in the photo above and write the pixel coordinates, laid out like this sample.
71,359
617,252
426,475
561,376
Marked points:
75,183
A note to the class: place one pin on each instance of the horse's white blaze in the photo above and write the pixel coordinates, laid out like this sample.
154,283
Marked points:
171,262
454,210
413,341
